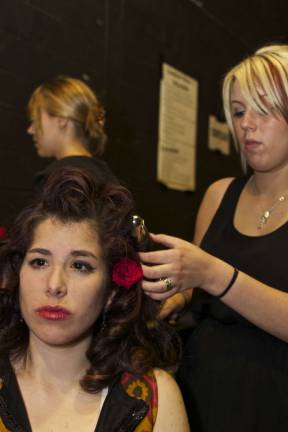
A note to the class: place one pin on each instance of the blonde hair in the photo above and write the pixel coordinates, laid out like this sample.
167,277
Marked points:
265,70
71,99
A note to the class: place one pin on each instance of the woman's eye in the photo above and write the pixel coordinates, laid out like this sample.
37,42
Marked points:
83,267
38,262
238,114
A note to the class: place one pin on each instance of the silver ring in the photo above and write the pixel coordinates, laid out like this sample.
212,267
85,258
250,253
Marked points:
168,284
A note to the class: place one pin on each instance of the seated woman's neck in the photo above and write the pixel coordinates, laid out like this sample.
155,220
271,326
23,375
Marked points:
50,362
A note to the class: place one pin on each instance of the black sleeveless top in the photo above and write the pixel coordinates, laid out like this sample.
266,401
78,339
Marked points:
234,376
252,255
131,403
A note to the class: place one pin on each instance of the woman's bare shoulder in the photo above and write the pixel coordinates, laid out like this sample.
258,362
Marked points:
171,416
218,188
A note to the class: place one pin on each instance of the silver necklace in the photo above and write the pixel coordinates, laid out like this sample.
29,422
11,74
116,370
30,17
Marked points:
267,213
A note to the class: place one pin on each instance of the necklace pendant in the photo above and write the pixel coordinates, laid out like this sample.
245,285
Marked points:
263,219
266,215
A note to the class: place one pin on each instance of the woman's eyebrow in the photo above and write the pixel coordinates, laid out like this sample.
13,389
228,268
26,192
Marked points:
74,253
39,250
237,101
84,253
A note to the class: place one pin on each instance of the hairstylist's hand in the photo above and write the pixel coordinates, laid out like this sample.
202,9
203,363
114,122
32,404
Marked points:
173,270
172,307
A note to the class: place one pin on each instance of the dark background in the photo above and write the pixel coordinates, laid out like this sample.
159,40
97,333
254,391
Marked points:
120,45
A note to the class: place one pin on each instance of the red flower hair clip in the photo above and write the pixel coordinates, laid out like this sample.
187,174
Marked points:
126,272
2,232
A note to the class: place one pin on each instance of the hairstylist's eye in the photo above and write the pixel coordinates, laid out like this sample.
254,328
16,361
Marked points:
238,114
83,267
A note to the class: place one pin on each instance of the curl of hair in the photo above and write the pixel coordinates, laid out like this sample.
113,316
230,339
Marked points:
132,339
140,340
72,99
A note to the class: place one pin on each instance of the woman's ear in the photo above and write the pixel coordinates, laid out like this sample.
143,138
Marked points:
62,122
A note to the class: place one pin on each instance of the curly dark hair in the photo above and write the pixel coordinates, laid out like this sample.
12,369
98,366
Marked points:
132,339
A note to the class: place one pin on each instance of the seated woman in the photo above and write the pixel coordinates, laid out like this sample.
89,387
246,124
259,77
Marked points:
79,342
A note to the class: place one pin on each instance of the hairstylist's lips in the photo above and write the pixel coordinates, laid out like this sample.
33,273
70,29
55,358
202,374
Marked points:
53,313
251,144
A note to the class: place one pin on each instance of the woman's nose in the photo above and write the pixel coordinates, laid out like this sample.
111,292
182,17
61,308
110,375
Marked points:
248,120
56,284
31,129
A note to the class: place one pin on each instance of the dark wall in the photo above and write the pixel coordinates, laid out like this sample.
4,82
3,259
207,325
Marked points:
120,45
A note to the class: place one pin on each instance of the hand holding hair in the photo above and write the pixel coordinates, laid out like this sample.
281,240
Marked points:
184,266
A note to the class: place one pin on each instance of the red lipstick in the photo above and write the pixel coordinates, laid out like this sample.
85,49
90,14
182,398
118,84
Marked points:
53,313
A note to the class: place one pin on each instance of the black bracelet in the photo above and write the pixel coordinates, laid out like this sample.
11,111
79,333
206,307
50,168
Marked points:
233,279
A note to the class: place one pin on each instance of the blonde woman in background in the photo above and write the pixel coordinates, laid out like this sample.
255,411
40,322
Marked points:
234,373
67,123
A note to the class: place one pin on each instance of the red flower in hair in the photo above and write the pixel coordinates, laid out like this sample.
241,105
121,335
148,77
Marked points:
126,272
2,232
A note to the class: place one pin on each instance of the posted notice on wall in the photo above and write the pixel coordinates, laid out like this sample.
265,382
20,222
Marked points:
177,129
219,138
